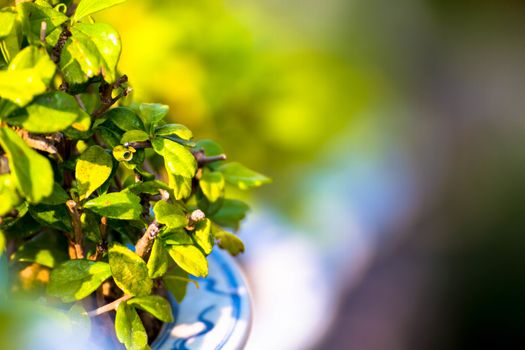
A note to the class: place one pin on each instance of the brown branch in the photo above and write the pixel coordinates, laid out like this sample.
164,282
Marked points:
106,95
145,242
57,49
43,29
108,307
77,228
138,144
202,159
102,246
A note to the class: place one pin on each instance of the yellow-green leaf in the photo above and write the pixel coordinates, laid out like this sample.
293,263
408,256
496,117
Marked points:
51,112
242,177
28,75
76,279
89,7
116,205
93,49
170,215
228,241
155,305
158,260
33,14
93,168
190,259
212,185
203,236
8,195
129,328
174,129
178,160
129,271
31,171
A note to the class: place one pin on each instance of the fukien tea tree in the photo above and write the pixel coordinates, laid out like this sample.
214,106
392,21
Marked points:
104,205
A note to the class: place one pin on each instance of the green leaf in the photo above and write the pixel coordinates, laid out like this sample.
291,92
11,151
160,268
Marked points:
176,237
203,236
148,187
134,136
210,147
212,185
180,185
11,35
174,129
117,205
93,168
89,7
28,75
7,22
190,259
242,177
158,260
155,305
129,271
33,14
170,215
58,196
47,249
129,328
124,118
176,281
31,171
180,165
231,213
8,194
152,113
51,112
54,216
76,279
93,49
228,241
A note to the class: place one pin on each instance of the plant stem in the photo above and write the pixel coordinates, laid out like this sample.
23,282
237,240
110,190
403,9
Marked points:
146,241
39,143
43,28
57,49
202,159
77,227
108,307
106,97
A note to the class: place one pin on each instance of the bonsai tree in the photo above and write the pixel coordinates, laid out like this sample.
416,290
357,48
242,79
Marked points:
104,205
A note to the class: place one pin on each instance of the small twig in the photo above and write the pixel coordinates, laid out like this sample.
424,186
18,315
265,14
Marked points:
80,103
40,143
4,165
106,92
108,307
195,217
145,242
57,49
77,228
102,246
138,144
43,29
202,159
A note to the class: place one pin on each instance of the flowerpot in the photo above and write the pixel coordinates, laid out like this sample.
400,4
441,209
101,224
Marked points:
215,316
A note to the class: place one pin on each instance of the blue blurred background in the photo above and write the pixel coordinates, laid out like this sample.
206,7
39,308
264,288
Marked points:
394,132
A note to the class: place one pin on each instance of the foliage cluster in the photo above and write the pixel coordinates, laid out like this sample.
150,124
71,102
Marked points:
99,196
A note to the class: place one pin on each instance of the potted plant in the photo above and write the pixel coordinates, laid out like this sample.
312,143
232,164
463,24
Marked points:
107,211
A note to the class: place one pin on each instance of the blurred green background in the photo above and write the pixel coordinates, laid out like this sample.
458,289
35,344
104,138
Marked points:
394,133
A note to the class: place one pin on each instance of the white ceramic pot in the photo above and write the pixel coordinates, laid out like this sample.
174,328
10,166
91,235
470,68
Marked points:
216,316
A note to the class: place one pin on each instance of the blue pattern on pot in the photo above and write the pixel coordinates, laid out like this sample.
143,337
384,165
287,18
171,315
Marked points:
215,316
